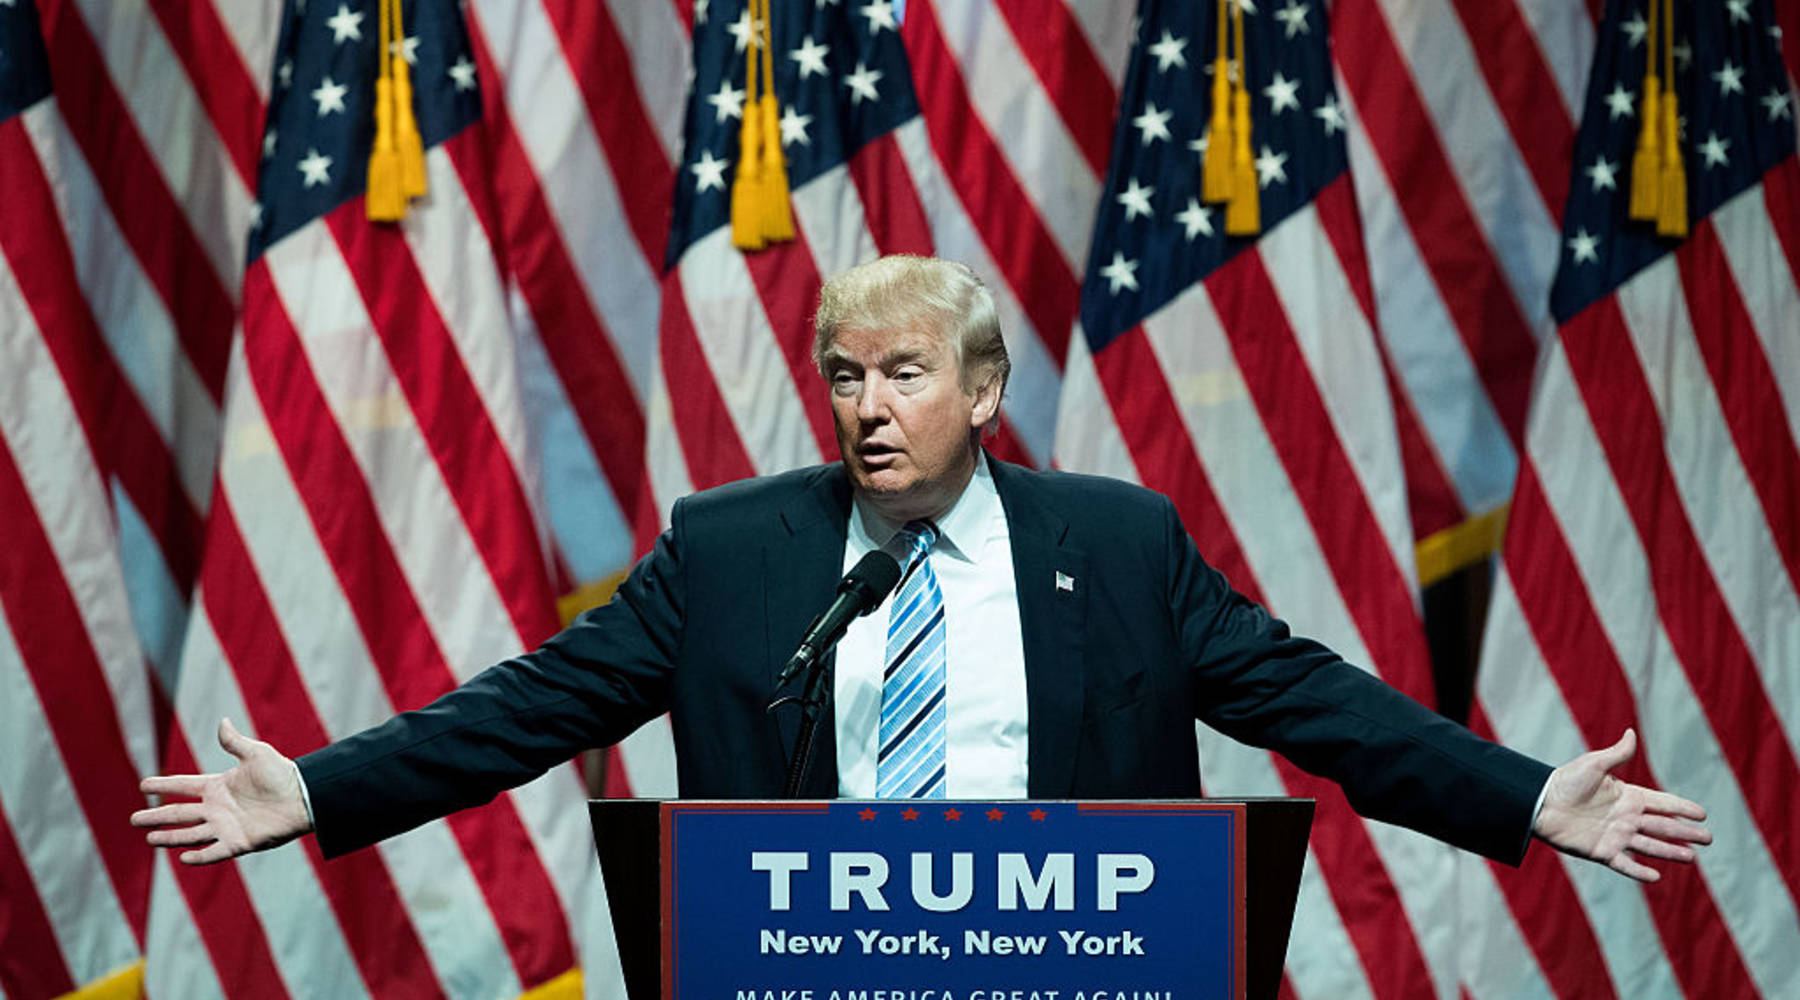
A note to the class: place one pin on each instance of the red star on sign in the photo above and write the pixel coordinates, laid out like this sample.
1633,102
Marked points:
953,815
996,815
909,814
1037,815
867,814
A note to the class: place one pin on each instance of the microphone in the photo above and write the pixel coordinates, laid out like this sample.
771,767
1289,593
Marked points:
861,591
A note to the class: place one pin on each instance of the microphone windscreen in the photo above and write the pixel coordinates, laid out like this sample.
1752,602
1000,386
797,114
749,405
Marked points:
874,575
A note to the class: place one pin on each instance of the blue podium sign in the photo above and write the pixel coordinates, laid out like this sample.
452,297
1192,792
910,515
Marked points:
899,900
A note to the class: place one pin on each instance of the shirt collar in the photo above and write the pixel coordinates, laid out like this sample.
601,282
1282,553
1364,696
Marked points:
963,531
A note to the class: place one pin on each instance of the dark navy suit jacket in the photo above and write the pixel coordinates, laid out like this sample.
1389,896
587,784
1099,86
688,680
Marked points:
1117,668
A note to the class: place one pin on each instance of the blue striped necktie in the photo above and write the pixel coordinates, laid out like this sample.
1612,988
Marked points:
910,764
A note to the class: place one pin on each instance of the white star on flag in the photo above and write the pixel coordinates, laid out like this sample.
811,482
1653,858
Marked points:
1740,10
1730,79
793,127
709,172
345,25
728,102
1714,150
880,15
1293,16
1136,199
1199,146
1584,247
1282,93
862,84
1777,104
269,142
811,57
1271,167
1152,124
1602,173
1168,51
1634,29
1196,219
1121,273
1331,113
1619,103
741,30
408,49
316,168
462,72
330,96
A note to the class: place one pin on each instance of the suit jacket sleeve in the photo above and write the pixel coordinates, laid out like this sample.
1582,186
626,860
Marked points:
589,685
1396,760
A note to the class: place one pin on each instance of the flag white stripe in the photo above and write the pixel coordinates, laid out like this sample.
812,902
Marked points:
172,932
1107,33
1345,363
1026,124
1490,948
254,35
1679,741
658,46
51,831
1765,281
177,132
1564,34
828,214
743,356
127,310
1430,360
1087,434
1715,490
583,195
308,945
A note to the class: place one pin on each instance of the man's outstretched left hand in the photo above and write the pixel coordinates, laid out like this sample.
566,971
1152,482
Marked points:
1591,814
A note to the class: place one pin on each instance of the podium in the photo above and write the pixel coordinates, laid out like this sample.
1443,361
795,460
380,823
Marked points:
1013,900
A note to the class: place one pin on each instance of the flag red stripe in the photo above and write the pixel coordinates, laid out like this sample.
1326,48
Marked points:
1058,52
1525,92
1746,388
1554,602
221,80
574,336
376,925
451,416
1431,496
1781,192
1549,914
343,511
598,58
1350,538
71,684
1003,444
892,212
709,437
1693,611
147,214
31,962
119,432
1016,238
237,947
787,281
1149,419
1467,276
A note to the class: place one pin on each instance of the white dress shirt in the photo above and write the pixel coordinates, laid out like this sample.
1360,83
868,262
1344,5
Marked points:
984,653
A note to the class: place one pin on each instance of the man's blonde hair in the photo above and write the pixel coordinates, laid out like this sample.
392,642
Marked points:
906,290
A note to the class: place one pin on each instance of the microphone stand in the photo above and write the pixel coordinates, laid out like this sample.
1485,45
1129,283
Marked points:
811,700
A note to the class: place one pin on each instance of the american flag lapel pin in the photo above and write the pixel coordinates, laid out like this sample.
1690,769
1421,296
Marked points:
1065,582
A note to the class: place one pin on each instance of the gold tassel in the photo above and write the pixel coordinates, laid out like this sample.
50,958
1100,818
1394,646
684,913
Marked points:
1672,208
746,183
384,200
777,209
1646,162
1243,214
406,126
1215,169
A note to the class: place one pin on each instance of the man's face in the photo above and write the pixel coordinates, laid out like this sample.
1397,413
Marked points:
903,420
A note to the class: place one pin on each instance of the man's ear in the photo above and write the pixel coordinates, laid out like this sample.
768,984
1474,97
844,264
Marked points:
987,403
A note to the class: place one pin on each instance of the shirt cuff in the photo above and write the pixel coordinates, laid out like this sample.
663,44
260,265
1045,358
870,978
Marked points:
306,797
1530,831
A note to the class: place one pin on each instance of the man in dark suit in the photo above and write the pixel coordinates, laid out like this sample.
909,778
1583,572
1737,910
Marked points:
1061,635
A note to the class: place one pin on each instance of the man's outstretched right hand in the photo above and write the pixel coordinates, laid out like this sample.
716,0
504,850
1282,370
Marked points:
256,805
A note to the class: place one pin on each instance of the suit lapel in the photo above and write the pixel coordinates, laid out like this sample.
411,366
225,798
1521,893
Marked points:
801,567
1052,587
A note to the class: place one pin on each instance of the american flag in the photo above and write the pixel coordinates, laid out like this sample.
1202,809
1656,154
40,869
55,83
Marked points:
1653,560
1461,129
